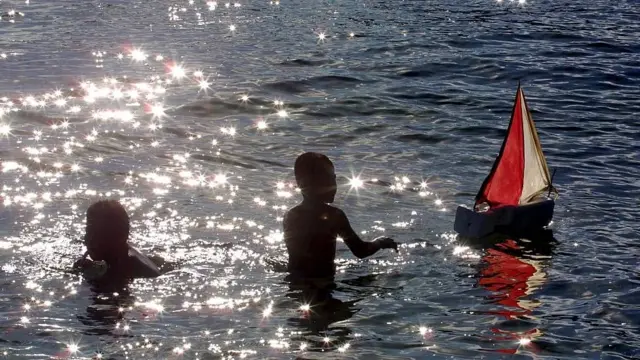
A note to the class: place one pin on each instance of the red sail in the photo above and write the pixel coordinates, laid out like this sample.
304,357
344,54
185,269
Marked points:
504,184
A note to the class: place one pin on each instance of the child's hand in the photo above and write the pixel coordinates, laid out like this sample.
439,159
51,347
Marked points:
90,269
80,264
387,243
95,270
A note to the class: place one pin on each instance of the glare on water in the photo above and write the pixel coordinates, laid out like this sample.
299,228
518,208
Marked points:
139,109
200,149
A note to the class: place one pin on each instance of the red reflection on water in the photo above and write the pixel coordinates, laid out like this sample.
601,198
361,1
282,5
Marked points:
506,276
510,279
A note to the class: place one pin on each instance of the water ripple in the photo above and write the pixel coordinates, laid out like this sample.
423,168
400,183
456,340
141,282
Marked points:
192,112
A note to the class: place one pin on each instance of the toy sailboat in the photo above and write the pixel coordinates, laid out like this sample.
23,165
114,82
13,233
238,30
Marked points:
517,196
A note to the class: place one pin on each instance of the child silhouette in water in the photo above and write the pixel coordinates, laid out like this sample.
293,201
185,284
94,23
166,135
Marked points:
112,260
311,228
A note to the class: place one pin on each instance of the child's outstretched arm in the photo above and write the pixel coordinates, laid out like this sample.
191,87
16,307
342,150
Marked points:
358,247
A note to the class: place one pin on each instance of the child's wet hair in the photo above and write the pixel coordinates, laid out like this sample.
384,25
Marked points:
108,218
311,169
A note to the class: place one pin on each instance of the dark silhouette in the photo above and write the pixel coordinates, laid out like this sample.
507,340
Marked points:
109,260
312,227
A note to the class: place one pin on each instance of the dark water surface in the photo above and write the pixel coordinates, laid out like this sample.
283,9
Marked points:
407,92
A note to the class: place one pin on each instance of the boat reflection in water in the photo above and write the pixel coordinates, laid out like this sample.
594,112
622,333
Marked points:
513,268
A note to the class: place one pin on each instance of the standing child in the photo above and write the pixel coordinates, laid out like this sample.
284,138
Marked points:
311,228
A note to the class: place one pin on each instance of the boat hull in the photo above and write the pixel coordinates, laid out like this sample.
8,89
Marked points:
505,219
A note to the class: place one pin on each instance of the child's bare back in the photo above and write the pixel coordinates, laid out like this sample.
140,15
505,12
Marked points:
311,229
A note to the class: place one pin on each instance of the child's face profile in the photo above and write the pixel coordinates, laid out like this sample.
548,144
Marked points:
94,244
329,187
101,244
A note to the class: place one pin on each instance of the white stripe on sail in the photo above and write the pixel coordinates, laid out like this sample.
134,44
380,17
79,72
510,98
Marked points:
535,177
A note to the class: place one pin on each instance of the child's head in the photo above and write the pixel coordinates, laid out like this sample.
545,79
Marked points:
107,231
316,177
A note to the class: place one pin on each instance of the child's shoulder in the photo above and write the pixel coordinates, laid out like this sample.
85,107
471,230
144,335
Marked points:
302,210
334,210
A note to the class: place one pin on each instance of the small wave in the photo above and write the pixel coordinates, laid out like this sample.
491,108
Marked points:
336,139
304,62
40,118
369,129
482,130
221,107
318,82
608,47
182,133
422,138
222,160
345,111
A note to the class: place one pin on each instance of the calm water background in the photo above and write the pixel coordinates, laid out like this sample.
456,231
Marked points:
401,91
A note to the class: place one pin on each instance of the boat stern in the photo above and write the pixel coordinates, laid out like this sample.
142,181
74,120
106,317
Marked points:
469,223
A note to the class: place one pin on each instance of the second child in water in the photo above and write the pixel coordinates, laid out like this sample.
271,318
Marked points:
112,259
312,227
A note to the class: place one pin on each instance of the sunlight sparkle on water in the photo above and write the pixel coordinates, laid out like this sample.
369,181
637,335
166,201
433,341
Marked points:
356,182
231,131
138,55
132,109
157,110
177,71
204,85
5,129
73,348
220,179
